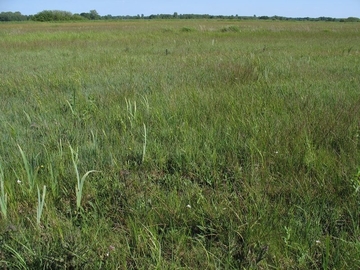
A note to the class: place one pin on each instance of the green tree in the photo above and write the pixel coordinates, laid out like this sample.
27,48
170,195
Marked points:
94,15
352,19
52,15
12,16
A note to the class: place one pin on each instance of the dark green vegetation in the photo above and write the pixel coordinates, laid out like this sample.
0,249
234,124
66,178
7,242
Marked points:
180,145
60,15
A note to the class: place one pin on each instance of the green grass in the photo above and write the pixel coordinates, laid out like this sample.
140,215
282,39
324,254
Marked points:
216,145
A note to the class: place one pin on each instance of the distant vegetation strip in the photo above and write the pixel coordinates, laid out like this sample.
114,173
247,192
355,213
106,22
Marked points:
60,15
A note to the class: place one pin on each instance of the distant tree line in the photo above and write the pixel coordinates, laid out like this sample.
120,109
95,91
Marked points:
12,16
59,15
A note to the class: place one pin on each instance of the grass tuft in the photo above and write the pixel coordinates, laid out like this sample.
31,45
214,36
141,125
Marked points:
231,28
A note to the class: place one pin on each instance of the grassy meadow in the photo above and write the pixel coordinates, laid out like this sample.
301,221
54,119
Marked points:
180,144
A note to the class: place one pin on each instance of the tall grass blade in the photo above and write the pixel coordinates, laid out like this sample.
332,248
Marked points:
144,144
29,172
40,207
80,181
79,188
3,195
21,263
74,158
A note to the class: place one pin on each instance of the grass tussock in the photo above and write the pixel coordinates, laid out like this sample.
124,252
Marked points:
133,145
187,29
231,28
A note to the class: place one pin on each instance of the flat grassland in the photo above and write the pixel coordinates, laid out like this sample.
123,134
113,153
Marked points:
183,144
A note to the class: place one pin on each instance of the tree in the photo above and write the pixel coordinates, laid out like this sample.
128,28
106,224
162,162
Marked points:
52,15
86,15
55,15
12,16
94,15
352,19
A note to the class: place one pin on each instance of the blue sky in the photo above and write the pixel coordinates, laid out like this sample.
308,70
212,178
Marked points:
289,8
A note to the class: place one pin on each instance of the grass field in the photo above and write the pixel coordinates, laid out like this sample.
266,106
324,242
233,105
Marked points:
183,144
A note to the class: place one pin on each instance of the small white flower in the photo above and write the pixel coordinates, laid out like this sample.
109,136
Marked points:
188,206
318,242
18,181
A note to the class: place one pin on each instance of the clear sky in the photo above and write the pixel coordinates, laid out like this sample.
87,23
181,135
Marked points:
288,8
